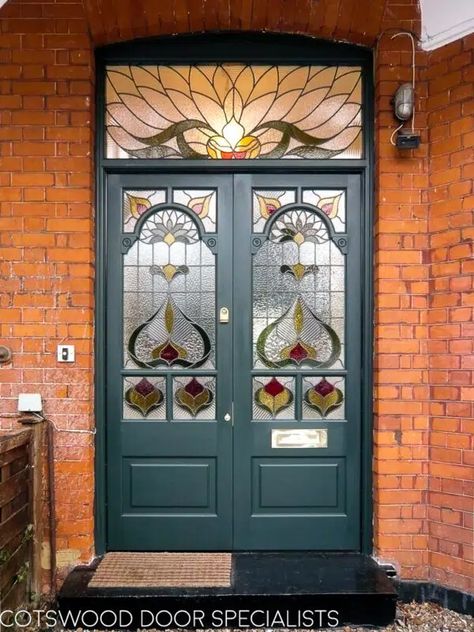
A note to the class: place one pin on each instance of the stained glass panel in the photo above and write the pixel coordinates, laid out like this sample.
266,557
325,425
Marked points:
323,398
194,398
298,295
266,202
331,202
135,203
273,398
169,295
144,398
203,202
233,111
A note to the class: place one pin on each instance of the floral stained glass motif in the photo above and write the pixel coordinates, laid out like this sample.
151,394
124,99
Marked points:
194,397
299,227
202,202
169,227
267,202
298,337
169,338
273,398
323,398
144,398
331,202
165,323
135,203
298,284
233,111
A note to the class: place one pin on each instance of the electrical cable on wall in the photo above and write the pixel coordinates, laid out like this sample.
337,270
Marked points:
404,98
404,104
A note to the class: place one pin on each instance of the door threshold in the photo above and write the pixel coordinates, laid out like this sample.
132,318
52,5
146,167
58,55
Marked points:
282,589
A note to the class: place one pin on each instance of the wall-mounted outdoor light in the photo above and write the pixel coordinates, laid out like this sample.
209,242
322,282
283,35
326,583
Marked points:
404,107
403,102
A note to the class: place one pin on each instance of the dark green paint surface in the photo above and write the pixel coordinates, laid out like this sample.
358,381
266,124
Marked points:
217,485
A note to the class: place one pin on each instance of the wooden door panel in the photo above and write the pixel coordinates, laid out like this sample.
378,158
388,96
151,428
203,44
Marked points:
169,451
297,362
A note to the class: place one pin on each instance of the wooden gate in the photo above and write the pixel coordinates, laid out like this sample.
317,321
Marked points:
16,513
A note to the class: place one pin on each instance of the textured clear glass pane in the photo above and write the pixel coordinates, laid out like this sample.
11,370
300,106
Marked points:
144,398
194,398
203,202
295,275
265,202
137,202
332,202
228,111
273,398
323,397
167,272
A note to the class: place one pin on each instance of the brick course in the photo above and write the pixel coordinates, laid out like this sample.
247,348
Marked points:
449,318
423,434
47,241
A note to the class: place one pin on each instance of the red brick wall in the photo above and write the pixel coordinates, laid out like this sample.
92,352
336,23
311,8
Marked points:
47,272
450,108
47,240
401,395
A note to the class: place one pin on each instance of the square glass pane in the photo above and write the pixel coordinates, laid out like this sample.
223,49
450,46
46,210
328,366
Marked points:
203,202
323,397
331,202
273,398
266,202
194,398
137,202
144,398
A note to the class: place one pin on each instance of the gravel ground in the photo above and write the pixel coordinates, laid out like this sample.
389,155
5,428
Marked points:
413,617
428,617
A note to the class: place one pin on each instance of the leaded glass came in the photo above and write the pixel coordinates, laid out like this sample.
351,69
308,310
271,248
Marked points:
233,112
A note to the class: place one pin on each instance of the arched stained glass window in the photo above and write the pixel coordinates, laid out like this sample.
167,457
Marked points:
234,111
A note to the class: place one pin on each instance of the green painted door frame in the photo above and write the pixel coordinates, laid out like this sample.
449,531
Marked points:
259,49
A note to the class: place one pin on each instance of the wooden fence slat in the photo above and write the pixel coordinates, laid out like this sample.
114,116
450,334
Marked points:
14,486
16,515
14,525
14,455
10,547
10,568
15,597
9,442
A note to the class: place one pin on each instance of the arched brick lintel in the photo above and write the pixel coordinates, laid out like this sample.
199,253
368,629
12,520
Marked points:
353,21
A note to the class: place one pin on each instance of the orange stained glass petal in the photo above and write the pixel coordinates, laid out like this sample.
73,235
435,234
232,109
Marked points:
233,111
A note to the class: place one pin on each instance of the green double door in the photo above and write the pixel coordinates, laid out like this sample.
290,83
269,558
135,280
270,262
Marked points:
233,359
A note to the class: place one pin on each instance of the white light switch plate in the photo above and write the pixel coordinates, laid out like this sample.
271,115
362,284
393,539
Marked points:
66,353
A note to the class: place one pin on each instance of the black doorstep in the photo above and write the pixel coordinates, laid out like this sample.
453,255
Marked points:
269,590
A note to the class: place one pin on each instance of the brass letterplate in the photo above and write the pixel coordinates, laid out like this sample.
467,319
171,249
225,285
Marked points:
299,438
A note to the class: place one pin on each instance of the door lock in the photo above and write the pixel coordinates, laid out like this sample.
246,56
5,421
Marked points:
224,315
227,417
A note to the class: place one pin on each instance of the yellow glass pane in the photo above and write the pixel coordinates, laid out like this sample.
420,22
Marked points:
233,111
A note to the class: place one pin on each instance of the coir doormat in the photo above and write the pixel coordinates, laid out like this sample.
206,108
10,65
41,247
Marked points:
163,570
